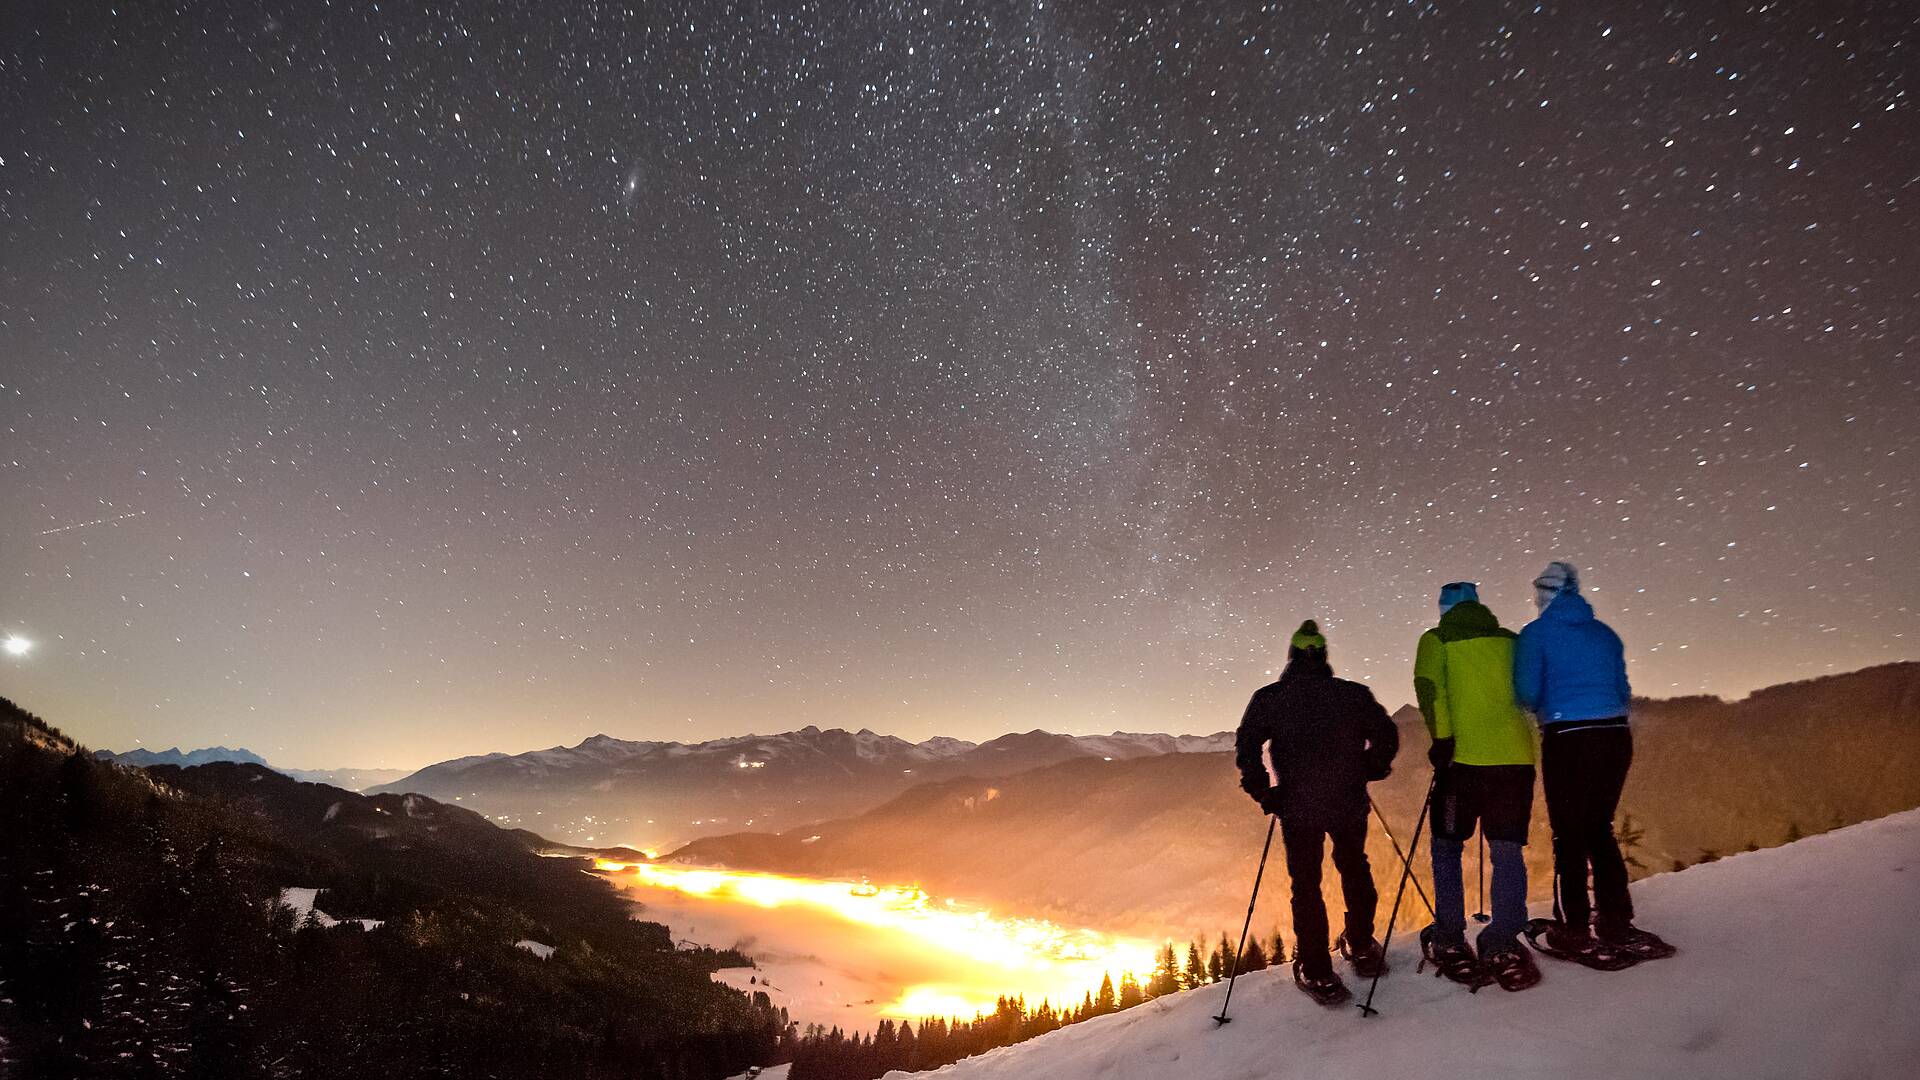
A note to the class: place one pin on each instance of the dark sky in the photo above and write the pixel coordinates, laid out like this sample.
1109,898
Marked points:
389,382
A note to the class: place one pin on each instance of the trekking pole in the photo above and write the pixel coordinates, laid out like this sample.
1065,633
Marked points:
1234,973
1481,915
1419,825
1405,856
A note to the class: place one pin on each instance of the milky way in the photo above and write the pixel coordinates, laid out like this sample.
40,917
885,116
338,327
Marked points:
435,379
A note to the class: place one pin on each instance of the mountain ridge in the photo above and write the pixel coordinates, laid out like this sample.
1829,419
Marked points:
349,778
152,931
651,794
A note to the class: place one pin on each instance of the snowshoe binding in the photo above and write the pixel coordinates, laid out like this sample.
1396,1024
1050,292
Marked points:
1558,940
1365,956
1630,939
1456,962
1323,989
1512,968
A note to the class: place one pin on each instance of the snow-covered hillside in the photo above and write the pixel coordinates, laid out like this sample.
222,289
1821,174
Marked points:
1798,962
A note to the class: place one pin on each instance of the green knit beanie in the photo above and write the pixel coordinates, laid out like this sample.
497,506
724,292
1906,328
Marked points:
1308,637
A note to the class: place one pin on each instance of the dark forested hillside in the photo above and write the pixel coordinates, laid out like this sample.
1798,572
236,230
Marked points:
1161,844
140,937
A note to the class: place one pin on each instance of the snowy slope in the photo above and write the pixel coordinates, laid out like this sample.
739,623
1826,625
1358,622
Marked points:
1798,962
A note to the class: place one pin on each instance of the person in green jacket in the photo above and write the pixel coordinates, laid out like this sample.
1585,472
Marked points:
1482,757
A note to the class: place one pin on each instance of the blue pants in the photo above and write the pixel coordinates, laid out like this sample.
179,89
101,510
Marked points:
1497,801
1450,896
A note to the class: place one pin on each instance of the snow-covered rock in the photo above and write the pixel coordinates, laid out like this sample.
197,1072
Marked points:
1799,961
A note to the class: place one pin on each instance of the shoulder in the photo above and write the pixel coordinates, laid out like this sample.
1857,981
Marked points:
1609,636
1354,689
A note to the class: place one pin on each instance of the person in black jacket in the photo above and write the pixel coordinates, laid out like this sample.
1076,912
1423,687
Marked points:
1328,738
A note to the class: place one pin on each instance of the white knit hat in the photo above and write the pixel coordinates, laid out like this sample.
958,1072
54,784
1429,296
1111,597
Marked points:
1559,577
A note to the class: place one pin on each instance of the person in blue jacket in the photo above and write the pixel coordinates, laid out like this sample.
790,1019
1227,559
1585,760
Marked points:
1570,671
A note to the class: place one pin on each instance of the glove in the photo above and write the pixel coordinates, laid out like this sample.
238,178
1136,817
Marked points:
1441,753
1270,801
1378,772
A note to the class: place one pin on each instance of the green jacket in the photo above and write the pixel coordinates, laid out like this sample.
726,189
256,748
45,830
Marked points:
1463,680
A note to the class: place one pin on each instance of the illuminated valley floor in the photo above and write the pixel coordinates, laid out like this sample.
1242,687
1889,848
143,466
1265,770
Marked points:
836,952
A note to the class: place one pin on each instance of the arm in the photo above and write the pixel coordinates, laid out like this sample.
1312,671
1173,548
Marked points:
1430,685
1383,738
1249,744
1529,670
1620,665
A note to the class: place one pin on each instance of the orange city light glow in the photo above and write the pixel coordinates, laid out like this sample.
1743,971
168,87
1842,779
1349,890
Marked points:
992,956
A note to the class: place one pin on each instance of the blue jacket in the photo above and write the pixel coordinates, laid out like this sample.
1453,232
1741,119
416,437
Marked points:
1569,666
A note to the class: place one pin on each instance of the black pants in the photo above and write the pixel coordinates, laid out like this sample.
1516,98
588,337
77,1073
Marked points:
1304,844
1583,772
1496,799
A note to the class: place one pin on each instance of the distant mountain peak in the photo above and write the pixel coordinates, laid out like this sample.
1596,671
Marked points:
173,755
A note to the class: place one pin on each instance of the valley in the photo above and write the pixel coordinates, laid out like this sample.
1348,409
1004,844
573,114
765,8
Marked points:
852,954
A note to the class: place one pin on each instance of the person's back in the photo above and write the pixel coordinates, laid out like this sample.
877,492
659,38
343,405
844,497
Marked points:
1463,681
1327,738
1482,756
1569,667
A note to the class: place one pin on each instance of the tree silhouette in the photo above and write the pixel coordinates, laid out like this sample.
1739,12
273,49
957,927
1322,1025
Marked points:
1632,836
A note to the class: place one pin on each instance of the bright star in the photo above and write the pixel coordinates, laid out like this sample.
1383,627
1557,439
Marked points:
15,645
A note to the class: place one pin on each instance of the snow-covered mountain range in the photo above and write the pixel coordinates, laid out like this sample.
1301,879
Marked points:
808,743
184,758
350,779
646,793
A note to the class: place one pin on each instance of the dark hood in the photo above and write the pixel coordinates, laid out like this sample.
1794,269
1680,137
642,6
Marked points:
1307,664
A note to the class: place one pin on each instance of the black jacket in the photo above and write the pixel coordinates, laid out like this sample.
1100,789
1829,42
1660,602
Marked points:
1329,738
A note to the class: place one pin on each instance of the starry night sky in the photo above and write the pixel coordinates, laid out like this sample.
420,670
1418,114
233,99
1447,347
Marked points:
448,378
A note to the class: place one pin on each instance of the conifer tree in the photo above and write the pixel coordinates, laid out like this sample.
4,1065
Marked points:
1166,972
1256,958
1196,971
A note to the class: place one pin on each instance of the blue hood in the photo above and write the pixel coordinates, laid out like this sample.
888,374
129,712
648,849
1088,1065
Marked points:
1568,608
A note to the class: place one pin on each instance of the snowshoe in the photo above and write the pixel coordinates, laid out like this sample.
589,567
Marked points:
1323,989
1367,959
1456,962
1557,940
1512,968
1630,939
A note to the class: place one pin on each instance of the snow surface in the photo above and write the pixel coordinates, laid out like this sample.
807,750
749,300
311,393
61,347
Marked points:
1800,961
302,901
771,1072
544,952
